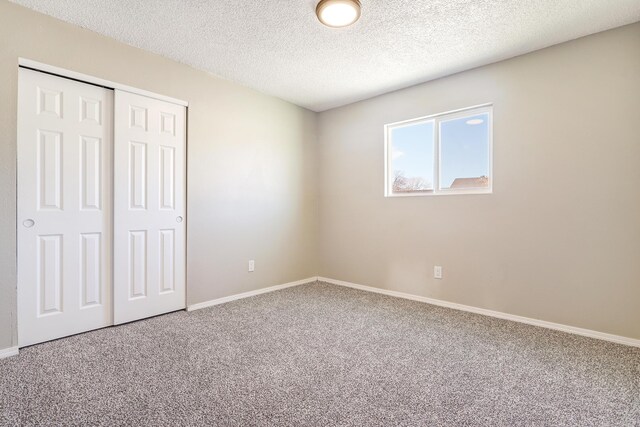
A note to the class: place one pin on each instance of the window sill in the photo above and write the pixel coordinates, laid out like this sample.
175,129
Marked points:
439,193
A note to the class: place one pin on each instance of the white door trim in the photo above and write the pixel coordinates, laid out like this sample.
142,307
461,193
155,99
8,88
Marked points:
62,72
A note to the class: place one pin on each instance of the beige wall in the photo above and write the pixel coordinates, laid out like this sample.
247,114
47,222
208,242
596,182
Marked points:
558,240
251,178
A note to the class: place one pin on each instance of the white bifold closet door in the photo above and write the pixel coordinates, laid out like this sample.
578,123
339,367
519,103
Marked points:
149,207
64,207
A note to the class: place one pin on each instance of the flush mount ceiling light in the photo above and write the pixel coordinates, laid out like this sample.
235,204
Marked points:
338,13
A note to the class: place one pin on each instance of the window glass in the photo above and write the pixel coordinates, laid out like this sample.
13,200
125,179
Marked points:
412,158
464,152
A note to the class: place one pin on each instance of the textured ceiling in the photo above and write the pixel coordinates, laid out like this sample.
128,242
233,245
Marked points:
278,46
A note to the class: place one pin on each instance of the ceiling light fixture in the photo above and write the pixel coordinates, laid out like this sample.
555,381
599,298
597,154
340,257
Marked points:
338,13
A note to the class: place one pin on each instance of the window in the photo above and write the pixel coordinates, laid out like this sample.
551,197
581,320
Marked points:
447,153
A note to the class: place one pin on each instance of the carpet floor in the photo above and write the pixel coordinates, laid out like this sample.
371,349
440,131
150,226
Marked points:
322,355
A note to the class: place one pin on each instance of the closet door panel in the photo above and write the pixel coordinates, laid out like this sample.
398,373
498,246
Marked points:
149,207
64,207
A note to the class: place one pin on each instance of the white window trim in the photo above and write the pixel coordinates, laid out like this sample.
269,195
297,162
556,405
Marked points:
437,119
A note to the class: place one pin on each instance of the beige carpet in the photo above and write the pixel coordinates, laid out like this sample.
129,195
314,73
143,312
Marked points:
323,355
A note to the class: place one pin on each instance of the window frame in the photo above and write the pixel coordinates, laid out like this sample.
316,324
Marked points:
437,119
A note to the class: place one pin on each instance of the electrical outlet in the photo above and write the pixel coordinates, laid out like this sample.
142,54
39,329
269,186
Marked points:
437,272
252,265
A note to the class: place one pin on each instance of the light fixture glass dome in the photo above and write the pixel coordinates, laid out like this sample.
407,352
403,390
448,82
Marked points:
338,13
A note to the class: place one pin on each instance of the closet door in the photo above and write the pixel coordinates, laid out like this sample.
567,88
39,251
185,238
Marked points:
149,207
64,207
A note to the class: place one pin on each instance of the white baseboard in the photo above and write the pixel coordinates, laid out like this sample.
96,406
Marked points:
500,315
8,352
223,300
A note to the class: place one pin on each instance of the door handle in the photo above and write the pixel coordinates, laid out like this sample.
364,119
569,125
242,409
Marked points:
28,223
179,219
